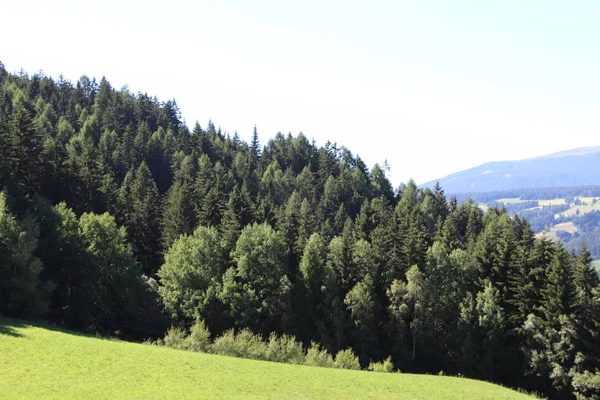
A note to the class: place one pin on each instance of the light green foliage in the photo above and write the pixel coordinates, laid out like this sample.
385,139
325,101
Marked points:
384,366
586,385
244,344
346,359
318,357
360,301
257,288
199,338
176,339
489,311
190,276
284,349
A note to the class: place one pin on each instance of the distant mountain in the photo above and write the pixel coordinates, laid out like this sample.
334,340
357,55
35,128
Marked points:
576,167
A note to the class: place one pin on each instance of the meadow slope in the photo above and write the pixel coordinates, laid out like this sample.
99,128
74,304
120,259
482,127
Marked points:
43,362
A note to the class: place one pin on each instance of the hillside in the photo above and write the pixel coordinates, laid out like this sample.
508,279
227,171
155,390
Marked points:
118,219
577,167
43,362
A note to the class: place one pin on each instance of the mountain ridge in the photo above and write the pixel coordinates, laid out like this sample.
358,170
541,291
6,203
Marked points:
574,167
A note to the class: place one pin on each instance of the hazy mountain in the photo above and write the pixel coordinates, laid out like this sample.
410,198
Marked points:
576,167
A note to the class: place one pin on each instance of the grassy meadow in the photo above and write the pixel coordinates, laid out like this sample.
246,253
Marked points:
43,362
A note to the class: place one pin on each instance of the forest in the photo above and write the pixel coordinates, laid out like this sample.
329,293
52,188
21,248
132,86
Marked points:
118,219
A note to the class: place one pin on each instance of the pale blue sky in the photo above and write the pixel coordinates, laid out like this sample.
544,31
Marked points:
431,86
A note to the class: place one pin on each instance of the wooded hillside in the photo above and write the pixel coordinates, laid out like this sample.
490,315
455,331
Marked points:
116,218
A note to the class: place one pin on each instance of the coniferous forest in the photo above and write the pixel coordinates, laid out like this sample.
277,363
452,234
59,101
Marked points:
116,218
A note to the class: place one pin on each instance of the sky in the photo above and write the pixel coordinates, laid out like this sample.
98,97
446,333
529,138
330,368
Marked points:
433,87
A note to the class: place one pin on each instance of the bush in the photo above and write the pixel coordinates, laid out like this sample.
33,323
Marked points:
346,359
318,357
176,339
284,349
225,344
199,338
383,366
245,344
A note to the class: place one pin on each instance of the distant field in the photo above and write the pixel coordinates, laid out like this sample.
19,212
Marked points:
553,202
582,210
588,200
565,227
516,200
510,200
41,362
596,264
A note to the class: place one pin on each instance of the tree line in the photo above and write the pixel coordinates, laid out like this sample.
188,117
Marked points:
116,218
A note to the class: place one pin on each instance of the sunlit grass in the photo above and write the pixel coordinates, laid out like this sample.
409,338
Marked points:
510,200
40,362
551,202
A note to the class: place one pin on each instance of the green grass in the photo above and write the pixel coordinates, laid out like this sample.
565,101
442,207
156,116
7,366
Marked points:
596,265
588,201
510,200
582,210
41,362
552,202
564,226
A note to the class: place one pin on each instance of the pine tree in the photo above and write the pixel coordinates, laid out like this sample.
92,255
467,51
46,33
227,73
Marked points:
239,212
25,147
558,293
141,203
254,149
179,215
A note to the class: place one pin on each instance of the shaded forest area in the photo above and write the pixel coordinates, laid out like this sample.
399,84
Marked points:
116,218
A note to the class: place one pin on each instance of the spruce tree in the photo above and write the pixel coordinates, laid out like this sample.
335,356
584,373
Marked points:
179,215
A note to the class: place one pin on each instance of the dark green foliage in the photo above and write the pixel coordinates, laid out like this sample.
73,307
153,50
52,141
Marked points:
140,205
19,267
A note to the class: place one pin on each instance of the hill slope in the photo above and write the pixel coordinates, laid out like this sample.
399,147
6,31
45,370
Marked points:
49,363
577,167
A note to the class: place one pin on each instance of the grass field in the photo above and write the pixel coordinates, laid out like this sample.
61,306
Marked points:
510,200
564,226
515,200
42,362
582,209
553,202
596,264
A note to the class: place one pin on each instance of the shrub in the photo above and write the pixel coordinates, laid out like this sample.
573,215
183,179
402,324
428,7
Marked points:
284,349
383,366
199,338
225,344
245,344
251,345
346,359
318,357
176,339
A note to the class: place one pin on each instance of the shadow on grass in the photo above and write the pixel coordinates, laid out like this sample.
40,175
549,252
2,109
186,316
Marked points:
8,325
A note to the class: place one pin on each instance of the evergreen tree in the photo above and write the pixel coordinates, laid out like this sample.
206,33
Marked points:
141,204
25,146
179,216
